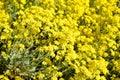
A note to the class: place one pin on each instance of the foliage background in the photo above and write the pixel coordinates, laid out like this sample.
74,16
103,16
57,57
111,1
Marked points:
60,39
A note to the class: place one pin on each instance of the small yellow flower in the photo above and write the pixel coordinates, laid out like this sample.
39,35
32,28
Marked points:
1,4
57,57
61,79
2,77
4,36
9,43
102,78
44,63
40,76
22,46
18,78
54,78
23,1
5,55
52,54
26,33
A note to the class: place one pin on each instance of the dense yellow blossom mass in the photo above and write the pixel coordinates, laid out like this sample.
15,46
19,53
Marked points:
60,39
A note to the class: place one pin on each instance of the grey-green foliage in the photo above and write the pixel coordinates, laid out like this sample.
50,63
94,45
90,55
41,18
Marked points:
22,63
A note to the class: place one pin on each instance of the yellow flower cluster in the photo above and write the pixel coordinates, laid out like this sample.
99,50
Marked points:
60,39
5,29
3,77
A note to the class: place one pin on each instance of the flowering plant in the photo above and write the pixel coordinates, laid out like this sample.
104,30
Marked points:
60,39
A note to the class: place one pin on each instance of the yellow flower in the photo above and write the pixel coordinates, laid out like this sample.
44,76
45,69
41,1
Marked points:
40,75
15,23
6,30
9,44
23,1
26,33
112,52
102,78
77,70
2,77
83,62
54,78
61,79
57,57
71,56
44,63
5,55
52,54
105,54
22,46
4,36
98,77
1,4
18,78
